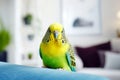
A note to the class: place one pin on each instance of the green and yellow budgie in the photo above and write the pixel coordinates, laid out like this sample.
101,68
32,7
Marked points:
55,50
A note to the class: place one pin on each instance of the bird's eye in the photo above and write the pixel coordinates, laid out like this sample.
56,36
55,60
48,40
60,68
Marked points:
49,30
62,31
63,41
47,40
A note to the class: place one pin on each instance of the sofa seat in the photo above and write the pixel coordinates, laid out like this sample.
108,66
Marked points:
18,72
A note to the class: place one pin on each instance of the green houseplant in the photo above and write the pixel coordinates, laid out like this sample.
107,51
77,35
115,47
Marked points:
28,19
30,55
4,41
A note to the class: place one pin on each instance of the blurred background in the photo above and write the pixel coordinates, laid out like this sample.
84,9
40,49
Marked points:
24,22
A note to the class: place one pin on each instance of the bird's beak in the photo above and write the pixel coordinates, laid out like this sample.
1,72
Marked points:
56,34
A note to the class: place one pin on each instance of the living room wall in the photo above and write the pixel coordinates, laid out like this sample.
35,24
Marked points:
50,11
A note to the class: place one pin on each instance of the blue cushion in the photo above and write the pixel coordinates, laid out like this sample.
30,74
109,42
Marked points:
18,72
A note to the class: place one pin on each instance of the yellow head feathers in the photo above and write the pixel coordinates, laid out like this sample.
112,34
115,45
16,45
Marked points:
55,33
56,26
55,30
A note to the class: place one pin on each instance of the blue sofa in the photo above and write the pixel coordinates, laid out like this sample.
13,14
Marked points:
18,72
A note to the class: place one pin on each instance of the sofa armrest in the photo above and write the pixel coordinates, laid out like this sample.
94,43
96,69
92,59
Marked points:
112,74
18,72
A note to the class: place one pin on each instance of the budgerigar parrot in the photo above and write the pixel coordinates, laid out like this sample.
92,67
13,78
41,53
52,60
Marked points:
55,50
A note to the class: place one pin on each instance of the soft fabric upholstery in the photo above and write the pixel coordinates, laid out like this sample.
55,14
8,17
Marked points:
103,56
104,46
17,72
90,56
112,60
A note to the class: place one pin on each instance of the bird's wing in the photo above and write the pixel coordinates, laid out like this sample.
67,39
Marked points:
70,59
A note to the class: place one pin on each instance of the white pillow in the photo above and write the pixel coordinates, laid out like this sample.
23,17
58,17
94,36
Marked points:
112,60
79,63
78,60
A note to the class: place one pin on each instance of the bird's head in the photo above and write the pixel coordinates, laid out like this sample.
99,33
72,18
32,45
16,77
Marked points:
55,33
